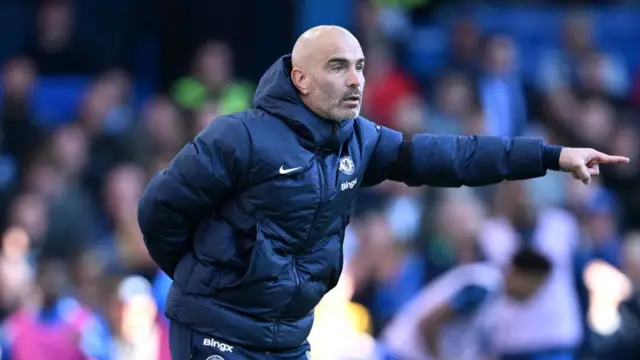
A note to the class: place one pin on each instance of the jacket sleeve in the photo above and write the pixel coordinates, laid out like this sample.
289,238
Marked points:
197,181
454,161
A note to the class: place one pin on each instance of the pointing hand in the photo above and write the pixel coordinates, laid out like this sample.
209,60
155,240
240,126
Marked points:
583,163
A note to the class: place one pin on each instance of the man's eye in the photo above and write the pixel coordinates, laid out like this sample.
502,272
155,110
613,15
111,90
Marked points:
337,68
360,67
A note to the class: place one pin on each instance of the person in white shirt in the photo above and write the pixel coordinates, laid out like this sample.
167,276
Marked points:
549,327
451,318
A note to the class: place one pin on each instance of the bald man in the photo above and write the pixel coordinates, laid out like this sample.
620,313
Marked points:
249,218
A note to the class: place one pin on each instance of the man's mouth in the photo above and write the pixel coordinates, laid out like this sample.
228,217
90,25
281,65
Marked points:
352,98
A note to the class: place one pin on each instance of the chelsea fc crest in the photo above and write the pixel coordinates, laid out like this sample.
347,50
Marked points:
346,165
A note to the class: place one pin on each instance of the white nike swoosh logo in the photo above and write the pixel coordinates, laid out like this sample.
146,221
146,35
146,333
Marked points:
284,171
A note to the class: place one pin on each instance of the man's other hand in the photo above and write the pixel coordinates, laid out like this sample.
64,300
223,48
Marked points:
584,163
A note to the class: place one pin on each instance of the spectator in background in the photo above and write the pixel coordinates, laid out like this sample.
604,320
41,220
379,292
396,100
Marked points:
623,182
16,270
595,76
212,78
387,84
107,129
118,89
614,311
600,239
44,328
578,62
123,243
595,121
71,212
81,309
409,114
454,240
577,119
454,316
29,211
89,271
19,131
465,48
162,127
53,47
404,211
138,332
553,316
394,272
370,27
454,105
501,90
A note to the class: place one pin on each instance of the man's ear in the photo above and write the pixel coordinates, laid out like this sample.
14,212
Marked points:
300,81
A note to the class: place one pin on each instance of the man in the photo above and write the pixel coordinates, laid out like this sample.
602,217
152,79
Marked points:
554,328
452,317
249,218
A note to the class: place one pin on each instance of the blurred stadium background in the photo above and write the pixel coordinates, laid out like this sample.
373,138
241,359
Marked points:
97,95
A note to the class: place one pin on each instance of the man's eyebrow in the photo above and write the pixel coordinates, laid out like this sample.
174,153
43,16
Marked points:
344,60
338,60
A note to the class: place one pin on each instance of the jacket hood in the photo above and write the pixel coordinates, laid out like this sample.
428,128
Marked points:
277,96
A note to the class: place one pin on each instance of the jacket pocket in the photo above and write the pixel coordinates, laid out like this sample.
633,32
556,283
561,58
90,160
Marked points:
229,279
267,284
264,264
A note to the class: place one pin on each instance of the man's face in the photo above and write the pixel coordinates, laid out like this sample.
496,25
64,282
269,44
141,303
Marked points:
52,279
522,285
336,81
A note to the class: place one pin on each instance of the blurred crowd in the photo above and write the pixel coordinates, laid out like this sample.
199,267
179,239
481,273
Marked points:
74,269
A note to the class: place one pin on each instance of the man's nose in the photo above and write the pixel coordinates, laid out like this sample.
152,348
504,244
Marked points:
353,78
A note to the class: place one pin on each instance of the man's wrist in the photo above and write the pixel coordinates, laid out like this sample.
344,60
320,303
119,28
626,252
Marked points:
551,157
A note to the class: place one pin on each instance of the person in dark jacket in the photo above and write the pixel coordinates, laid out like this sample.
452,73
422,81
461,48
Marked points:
249,218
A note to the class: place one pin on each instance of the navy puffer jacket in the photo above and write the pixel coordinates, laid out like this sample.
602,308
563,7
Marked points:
249,217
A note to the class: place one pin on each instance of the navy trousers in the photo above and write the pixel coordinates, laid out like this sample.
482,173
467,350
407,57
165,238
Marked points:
187,344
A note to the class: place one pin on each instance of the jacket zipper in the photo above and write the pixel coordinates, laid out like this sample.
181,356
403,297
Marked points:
316,215
295,270
274,343
322,192
313,225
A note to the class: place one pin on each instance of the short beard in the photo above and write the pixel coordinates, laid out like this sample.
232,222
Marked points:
342,115
335,114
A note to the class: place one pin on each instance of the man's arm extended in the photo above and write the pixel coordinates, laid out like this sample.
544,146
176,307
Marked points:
454,161
197,181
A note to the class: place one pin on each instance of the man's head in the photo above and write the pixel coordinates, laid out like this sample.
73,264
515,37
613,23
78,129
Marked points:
52,279
526,274
328,66
514,201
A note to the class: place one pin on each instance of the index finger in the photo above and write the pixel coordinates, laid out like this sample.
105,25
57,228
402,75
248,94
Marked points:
612,159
